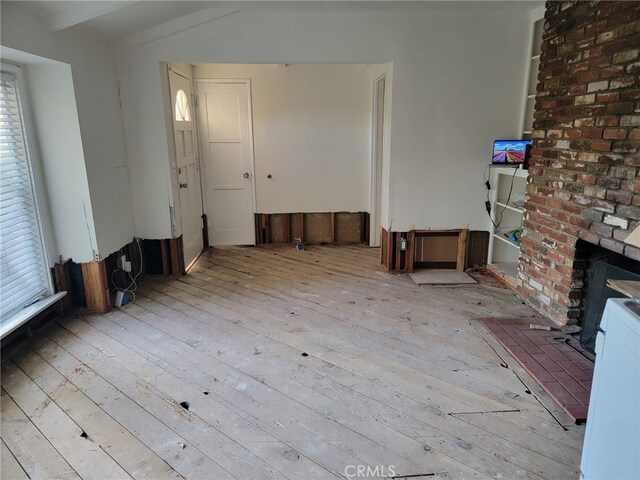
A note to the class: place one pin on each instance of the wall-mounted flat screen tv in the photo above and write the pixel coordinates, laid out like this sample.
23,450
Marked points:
509,152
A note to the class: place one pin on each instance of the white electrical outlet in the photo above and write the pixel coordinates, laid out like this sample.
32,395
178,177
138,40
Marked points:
122,261
127,266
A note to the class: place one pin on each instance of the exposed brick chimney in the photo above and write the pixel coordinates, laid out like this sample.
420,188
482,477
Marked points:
583,179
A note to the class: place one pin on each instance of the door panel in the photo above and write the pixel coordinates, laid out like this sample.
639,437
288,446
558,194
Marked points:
224,112
228,161
227,170
190,189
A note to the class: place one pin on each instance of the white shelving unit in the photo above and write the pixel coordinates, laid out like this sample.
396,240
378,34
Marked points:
532,82
507,212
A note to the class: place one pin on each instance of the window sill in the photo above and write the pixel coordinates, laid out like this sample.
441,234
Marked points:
27,313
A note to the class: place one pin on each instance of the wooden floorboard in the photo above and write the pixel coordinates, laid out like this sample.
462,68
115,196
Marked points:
294,365
401,347
9,466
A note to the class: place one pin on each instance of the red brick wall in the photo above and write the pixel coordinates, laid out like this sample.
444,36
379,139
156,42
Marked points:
584,175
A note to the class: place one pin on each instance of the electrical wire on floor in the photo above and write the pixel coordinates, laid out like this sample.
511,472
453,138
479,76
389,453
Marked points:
132,287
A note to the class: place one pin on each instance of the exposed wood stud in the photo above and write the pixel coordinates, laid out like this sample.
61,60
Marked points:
267,228
177,256
365,221
286,234
62,283
300,221
164,251
387,249
411,250
94,276
462,250
332,227
398,253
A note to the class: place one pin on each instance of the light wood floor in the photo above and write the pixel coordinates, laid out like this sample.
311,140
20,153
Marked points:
294,365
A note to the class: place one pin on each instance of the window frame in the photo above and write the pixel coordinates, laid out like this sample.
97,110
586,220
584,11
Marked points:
21,316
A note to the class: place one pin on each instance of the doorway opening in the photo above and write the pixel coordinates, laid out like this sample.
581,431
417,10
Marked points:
278,141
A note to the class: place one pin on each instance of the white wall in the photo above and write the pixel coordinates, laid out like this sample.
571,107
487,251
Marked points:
108,207
311,127
63,165
457,84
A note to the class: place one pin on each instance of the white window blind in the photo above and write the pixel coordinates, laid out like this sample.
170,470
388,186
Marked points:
23,273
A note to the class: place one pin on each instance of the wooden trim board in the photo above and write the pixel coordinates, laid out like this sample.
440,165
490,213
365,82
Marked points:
462,250
94,276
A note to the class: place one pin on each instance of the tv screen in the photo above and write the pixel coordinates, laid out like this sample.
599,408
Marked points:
509,152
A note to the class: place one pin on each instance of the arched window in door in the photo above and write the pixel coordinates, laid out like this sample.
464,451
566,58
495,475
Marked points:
183,112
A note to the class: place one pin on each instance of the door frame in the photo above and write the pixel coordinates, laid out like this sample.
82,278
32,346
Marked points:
247,83
377,135
189,77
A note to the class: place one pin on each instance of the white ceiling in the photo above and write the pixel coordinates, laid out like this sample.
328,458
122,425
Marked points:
112,19
116,21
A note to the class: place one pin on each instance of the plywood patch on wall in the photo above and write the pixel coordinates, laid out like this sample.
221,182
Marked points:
317,227
348,227
279,234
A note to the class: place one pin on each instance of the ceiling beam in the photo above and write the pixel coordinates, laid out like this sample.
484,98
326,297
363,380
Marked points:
75,13
174,26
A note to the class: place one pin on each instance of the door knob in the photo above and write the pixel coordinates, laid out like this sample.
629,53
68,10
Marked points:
246,175
183,185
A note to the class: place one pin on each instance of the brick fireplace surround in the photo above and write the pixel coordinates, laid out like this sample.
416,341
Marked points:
584,175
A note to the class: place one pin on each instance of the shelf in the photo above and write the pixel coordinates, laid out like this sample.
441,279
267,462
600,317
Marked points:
504,239
507,170
509,268
510,207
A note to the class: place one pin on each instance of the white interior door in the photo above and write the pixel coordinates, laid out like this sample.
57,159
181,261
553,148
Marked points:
190,188
227,154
